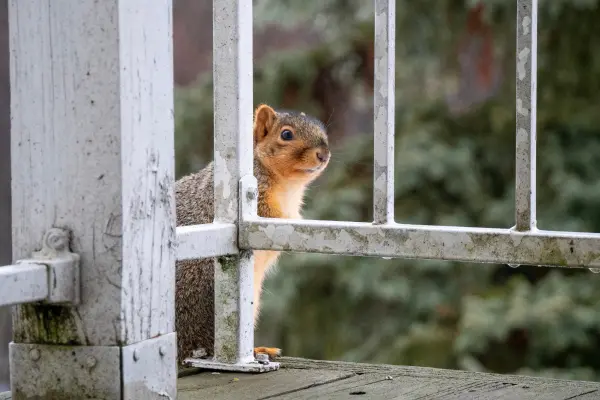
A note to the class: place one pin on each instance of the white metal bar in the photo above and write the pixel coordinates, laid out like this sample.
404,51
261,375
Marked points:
24,283
232,69
384,103
99,134
206,240
526,81
481,245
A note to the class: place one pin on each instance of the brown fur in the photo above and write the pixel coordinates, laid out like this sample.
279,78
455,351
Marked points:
281,170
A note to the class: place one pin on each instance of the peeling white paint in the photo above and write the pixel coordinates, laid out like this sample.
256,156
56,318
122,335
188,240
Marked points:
232,74
526,25
482,245
384,110
525,152
522,63
520,109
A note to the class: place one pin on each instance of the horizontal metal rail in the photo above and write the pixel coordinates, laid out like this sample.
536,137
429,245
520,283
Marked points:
23,283
481,245
206,240
51,274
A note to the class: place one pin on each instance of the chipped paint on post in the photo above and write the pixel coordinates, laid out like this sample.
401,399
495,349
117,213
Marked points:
248,197
234,327
232,69
384,104
482,245
526,80
232,75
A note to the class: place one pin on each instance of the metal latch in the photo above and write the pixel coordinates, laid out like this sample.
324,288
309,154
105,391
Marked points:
62,267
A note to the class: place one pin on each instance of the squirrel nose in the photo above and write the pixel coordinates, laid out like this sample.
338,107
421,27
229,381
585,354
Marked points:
323,155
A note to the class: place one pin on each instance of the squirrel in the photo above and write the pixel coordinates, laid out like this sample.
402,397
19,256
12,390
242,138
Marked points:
291,150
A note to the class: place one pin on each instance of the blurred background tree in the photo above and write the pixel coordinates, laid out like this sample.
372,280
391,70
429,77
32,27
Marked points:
455,129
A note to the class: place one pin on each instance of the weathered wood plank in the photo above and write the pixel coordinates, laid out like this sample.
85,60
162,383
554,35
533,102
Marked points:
377,386
311,379
233,386
424,372
591,395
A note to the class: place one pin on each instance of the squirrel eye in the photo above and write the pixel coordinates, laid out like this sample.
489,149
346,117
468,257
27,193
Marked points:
286,134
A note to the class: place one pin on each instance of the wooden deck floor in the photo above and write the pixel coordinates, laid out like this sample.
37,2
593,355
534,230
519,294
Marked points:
308,379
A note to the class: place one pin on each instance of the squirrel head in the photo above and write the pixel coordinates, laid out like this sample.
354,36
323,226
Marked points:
289,144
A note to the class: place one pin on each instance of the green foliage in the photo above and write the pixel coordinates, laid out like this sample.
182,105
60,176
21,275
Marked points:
450,170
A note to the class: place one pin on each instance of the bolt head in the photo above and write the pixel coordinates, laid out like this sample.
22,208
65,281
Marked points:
91,362
251,194
57,239
34,354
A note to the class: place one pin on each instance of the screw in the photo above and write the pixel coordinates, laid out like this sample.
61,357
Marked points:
91,362
56,239
251,194
161,351
34,354
136,356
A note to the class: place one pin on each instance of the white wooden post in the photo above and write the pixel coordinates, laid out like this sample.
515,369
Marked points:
92,152
5,204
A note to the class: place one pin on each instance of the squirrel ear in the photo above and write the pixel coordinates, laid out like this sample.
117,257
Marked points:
264,117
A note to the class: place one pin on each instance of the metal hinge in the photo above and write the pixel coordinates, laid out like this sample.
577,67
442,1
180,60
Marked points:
62,267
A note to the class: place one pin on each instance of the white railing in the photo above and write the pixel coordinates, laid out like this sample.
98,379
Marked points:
92,153
521,244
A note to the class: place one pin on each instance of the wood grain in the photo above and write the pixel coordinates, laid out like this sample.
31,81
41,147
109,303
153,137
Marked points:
93,152
301,379
224,386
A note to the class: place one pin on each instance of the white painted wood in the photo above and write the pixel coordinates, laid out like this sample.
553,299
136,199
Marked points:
150,369
5,203
92,151
92,147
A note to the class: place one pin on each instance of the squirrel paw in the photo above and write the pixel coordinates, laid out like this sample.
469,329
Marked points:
272,352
